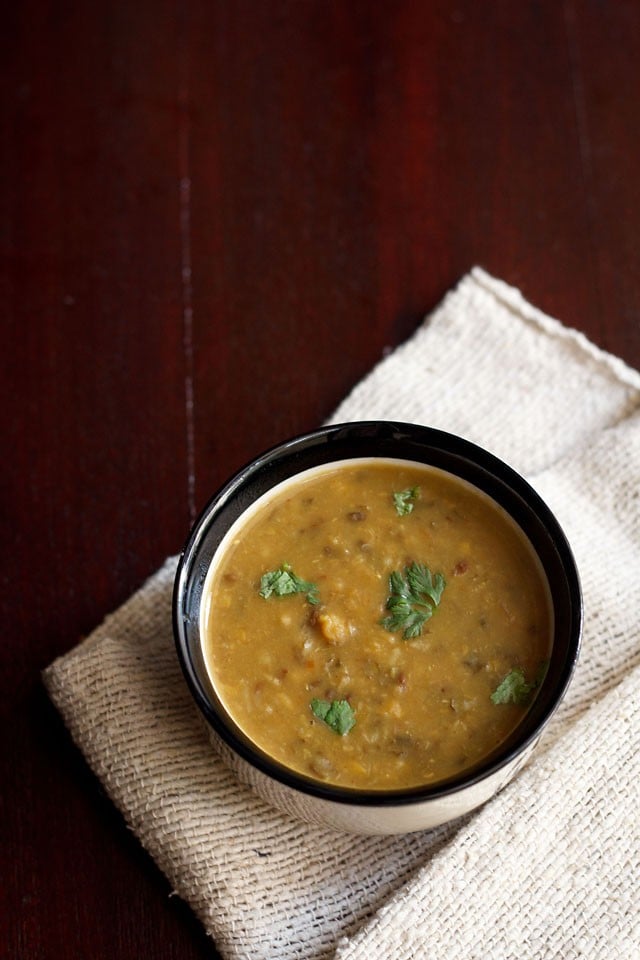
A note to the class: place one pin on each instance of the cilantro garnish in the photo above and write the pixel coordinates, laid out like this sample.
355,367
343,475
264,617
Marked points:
337,714
404,500
284,581
514,688
413,597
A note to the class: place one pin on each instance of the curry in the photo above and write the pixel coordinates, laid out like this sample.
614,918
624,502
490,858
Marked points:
376,624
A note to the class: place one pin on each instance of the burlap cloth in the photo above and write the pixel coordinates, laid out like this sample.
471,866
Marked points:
549,867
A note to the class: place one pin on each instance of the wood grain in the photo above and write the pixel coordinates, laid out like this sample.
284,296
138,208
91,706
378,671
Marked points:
215,217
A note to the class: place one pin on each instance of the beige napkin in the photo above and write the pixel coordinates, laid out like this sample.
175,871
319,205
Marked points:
549,867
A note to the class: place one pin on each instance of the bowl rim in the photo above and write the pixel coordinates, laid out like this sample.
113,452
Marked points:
524,735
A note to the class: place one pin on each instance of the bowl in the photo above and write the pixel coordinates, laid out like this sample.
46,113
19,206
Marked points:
363,810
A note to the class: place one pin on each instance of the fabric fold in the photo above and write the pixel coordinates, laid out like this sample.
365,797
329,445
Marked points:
493,368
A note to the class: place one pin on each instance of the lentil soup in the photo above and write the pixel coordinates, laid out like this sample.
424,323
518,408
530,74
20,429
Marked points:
376,624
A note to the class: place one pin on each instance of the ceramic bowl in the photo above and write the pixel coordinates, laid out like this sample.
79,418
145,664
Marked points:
362,811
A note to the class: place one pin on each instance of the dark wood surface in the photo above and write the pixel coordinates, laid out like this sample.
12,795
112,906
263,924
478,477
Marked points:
215,217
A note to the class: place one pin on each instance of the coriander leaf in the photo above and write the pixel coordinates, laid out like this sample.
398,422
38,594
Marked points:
284,581
412,599
404,500
337,714
513,688
398,586
421,582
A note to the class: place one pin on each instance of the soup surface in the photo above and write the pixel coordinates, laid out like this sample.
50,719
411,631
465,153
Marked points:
376,624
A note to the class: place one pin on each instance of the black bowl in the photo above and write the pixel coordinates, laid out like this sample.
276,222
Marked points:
360,810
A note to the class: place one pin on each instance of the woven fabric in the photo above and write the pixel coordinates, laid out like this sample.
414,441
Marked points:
549,867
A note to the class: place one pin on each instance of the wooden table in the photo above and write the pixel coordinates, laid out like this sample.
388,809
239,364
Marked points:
216,216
